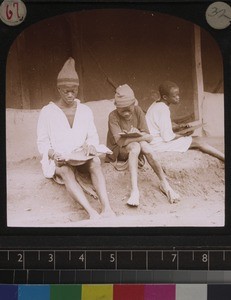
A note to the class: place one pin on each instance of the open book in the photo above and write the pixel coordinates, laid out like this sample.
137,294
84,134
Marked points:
188,129
130,134
79,156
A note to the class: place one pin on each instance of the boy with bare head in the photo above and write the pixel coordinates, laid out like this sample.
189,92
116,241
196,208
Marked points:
160,125
128,138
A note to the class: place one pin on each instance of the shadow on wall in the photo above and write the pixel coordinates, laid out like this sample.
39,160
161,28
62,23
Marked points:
21,125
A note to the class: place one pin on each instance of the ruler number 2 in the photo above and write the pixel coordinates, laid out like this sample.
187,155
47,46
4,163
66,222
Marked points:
20,257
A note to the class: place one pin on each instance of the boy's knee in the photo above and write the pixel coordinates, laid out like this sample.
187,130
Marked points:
95,163
134,148
197,143
65,171
146,148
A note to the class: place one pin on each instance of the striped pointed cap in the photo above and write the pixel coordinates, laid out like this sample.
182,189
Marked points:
124,96
68,74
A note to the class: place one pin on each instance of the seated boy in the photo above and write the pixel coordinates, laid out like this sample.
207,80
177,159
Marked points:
129,118
160,126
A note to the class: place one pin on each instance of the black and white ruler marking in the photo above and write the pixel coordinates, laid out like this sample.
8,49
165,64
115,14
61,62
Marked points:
80,266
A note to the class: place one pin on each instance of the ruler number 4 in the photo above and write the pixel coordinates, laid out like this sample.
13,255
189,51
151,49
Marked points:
82,257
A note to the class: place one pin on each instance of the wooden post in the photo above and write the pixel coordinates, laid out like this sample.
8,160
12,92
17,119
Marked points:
198,84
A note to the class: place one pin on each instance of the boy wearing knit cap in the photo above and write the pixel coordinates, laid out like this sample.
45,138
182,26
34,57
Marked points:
66,128
128,138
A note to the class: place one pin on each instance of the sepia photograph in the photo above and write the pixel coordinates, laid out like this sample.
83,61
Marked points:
115,118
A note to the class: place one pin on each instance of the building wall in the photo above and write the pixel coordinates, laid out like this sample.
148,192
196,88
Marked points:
125,46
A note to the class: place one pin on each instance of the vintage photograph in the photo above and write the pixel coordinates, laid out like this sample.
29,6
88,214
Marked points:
115,118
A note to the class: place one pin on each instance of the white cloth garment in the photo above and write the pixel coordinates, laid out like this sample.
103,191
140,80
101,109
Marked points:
160,126
54,132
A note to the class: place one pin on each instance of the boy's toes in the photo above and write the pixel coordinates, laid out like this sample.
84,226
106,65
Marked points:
134,199
172,196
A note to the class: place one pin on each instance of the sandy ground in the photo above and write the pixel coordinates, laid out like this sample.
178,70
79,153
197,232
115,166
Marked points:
34,201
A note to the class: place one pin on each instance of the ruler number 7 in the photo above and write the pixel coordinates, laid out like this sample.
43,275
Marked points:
174,257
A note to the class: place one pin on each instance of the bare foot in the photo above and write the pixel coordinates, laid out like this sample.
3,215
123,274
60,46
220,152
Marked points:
134,199
107,214
172,196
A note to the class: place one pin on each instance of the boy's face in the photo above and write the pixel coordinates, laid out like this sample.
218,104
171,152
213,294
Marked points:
68,93
173,96
126,112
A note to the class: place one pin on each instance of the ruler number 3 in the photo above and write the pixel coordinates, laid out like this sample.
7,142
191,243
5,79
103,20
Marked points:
51,257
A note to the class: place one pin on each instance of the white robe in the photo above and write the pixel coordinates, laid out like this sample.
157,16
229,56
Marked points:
54,132
160,126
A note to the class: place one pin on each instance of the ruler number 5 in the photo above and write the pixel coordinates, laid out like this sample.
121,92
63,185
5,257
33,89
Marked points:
112,257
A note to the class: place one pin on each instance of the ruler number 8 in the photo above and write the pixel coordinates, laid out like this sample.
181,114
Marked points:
205,258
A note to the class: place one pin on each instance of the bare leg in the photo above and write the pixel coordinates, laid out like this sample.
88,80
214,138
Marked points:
134,151
164,185
75,190
99,183
206,148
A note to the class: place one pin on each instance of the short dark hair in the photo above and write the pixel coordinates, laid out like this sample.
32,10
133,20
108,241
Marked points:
166,86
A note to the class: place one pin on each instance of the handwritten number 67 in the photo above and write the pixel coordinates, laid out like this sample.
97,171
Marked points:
9,11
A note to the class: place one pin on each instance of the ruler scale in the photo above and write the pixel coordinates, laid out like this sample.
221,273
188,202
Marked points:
115,259
94,266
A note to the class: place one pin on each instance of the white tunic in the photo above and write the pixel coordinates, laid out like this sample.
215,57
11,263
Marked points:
160,126
54,132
